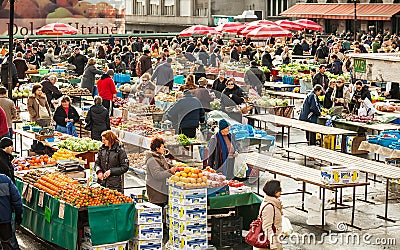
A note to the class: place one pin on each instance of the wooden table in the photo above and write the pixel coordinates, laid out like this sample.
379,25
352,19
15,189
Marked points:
275,85
361,127
306,176
291,95
364,165
302,125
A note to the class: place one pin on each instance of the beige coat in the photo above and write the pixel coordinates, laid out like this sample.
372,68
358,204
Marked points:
9,109
33,106
267,218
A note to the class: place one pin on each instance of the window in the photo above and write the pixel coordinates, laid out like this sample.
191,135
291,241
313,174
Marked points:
154,9
138,7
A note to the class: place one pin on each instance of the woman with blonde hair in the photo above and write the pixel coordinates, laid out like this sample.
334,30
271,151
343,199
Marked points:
89,75
112,162
189,83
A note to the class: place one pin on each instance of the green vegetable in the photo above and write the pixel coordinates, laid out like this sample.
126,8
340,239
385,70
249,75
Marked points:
183,140
80,144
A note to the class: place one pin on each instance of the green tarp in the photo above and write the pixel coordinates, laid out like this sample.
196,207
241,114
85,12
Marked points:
114,223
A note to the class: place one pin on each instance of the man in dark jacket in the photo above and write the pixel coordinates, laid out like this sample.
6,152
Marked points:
310,112
186,114
215,58
234,54
78,60
95,118
219,84
50,90
144,63
328,103
297,49
191,46
336,65
322,53
361,92
4,73
10,201
305,46
320,78
254,77
203,55
118,65
164,75
231,97
137,46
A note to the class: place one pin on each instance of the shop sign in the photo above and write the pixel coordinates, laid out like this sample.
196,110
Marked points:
360,65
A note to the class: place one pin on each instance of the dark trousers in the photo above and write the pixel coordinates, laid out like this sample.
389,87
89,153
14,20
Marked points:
6,236
189,132
311,138
109,106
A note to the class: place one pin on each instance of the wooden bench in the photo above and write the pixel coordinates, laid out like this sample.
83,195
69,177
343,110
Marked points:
300,173
363,165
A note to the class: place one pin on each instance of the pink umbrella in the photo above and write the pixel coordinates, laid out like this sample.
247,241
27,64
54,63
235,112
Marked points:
198,30
249,28
289,25
267,31
308,24
260,22
57,29
234,27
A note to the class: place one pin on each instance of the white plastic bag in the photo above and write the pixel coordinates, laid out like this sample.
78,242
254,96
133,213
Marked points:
287,228
240,168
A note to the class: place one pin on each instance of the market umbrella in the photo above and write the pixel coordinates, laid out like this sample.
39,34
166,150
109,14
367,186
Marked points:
233,27
289,25
249,28
308,24
198,30
260,22
267,31
57,29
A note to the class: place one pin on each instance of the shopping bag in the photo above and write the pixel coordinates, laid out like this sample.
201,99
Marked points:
256,236
71,129
287,228
240,167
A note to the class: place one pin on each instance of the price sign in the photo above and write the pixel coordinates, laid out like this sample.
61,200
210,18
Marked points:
61,210
41,198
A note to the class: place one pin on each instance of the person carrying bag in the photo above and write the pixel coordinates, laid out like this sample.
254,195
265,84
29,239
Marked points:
44,116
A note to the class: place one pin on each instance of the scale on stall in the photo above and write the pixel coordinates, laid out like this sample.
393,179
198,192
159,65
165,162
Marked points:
73,169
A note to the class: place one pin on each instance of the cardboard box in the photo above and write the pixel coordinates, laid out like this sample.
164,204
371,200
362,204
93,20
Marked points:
187,193
219,191
148,213
190,199
149,231
145,245
353,143
190,228
239,190
339,175
190,212
190,242
116,246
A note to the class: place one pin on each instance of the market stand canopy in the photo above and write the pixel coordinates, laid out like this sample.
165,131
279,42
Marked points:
234,27
198,30
371,12
267,31
308,24
289,25
57,29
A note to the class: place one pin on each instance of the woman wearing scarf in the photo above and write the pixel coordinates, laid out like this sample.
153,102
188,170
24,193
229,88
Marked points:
222,151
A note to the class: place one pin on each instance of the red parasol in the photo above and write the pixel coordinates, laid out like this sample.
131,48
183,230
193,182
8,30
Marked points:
260,22
289,25
233,27
198,30
57,29
267,31
308,24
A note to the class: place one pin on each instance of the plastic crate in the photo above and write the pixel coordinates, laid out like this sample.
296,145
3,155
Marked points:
122,78
226,231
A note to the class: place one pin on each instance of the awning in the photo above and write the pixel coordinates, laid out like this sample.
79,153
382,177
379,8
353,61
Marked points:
383,12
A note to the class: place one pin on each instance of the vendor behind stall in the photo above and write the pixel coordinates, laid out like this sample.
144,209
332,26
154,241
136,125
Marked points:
65,116
361,93
231,97
112,162
310,111
222,150
157,172
50,90
392,90
186,114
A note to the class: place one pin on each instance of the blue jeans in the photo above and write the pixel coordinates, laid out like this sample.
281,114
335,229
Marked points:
61,129
14,241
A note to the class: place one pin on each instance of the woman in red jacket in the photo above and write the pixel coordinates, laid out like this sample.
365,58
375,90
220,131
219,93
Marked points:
106,89
3,124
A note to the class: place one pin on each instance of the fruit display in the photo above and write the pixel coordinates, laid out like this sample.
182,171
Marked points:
32,177
141,125
126,88
141,109
170,97
363,119
235,183
75,91
120,102
377,98
21,92
54,182
266,101
386,107
80,196
115,121
33,162
215,105
188,178
80,144
63,154
137,160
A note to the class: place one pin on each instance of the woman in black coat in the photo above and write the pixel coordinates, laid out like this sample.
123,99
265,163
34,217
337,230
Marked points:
65,113
231,97
95,119
112,162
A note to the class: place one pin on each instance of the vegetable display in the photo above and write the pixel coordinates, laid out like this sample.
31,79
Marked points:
183,140
33,162
266,101
80,144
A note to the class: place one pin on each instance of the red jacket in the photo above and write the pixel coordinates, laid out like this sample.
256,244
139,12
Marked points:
3,122
106,88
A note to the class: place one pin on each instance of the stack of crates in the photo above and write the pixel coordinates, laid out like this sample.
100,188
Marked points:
187,216
149,227
226,231
122,78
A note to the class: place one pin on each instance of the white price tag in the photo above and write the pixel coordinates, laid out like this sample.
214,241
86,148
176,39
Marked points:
61,210
41,198
29,195
24,190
